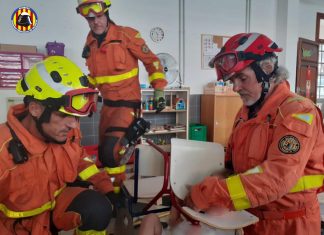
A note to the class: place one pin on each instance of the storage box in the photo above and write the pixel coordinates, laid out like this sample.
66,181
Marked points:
55,48
18,48
197,132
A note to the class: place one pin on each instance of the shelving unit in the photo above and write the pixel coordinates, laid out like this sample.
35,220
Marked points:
173,121
14,65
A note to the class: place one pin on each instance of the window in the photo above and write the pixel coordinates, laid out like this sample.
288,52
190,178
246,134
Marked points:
320,39
320,79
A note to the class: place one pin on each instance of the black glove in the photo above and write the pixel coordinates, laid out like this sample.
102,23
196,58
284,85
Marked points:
159,100
117,200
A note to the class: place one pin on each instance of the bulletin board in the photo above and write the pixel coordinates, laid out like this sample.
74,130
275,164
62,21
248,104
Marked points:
210,46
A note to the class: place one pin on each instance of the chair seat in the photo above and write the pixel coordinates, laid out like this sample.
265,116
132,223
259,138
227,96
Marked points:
228,220
201,159
147,187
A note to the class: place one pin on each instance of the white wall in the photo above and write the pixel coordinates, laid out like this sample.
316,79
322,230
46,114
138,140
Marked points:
307,19
220,17
57,20
282,20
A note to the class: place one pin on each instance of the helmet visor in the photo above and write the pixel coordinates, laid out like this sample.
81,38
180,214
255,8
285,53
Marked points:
81,102
97,9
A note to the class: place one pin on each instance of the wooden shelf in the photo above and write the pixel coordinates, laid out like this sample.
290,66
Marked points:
166,111
165,132
179,116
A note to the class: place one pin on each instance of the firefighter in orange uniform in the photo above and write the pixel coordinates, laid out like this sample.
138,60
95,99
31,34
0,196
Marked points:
40,153
112,53
276,148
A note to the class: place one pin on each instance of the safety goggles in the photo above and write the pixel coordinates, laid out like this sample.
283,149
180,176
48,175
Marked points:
80,102
97,9
227,64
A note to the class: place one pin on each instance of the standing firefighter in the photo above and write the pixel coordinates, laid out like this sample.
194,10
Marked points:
276,147
112,53
40,153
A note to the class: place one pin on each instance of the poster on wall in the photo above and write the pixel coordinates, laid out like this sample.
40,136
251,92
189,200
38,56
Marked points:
210,46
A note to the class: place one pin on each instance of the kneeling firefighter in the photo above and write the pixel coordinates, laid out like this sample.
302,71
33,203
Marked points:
40,153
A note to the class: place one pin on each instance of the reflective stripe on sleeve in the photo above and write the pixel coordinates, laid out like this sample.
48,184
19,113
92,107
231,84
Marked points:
90,232
115,170
308,182
237,193
88,172
155,76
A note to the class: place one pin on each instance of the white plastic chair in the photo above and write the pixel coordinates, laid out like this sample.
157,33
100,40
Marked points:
191,162
320,197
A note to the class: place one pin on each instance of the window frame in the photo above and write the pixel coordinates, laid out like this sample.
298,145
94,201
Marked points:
319,17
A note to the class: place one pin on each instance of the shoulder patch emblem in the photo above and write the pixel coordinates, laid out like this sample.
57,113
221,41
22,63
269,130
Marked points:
289,144
145,49
305,117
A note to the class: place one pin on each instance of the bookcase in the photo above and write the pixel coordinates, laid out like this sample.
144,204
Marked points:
173,121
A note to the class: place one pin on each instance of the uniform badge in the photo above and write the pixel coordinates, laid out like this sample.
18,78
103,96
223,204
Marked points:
289,144
145,49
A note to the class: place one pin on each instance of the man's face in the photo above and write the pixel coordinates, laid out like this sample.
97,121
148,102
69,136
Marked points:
98,24
247,86
59,126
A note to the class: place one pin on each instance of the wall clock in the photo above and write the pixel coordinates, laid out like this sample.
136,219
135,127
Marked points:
157,34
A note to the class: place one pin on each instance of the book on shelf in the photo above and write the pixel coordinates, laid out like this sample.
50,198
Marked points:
157,129
175,127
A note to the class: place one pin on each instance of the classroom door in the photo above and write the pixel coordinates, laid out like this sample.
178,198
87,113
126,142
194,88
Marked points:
307,68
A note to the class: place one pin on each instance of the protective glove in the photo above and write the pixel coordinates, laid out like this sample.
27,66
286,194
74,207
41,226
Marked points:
159,100
117,200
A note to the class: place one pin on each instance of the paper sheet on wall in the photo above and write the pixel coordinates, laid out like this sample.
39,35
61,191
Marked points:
210,46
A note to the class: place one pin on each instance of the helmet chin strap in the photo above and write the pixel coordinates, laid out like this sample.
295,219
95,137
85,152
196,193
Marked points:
264,79
45,118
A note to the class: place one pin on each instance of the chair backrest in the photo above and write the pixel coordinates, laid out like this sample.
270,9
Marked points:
192,161
150,162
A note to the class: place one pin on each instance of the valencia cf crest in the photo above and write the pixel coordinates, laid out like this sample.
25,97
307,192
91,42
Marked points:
24,19
289,144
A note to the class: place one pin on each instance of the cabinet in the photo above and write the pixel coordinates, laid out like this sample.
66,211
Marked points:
172,121
218,112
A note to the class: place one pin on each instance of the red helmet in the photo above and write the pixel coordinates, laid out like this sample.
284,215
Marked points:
240,51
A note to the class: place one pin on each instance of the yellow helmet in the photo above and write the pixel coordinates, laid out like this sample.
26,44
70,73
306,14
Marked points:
90,8
58,83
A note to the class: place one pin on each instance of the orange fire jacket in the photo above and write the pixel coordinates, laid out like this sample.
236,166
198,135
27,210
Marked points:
114,65
278,161
30,189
